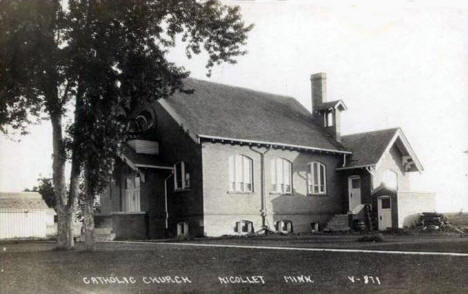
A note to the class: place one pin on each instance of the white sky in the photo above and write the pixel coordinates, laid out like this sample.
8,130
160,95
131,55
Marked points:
403,64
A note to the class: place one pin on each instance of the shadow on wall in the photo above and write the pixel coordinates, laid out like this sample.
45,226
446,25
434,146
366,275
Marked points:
411,220
301,209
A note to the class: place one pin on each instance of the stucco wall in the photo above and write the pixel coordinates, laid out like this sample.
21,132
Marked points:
392,160
223,208
411,204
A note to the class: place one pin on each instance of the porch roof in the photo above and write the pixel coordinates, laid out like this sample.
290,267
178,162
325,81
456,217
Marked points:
368,148
137,160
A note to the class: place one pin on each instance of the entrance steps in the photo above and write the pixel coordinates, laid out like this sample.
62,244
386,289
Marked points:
338,223
103,228
104,234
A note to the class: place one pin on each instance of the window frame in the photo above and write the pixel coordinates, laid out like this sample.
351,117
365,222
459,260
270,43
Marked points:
184,177
274,170
239,173
311,185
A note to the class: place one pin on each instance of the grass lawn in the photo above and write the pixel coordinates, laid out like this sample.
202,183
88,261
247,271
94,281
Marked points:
33,267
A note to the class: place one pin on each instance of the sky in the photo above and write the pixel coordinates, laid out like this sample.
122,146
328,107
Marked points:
399,64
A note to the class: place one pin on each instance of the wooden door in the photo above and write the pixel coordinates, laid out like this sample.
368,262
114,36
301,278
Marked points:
354,191
384,212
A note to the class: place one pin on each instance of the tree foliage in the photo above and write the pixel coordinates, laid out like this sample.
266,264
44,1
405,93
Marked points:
103,59
46,189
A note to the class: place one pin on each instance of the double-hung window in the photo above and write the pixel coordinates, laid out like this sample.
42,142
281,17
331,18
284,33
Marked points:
181,176
317,178
240,173
281,174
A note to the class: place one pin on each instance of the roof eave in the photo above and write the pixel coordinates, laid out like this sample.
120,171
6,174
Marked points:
399,134
355,167
275,144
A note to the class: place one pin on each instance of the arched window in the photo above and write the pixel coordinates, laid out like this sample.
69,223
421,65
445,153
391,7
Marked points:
144,121
281,175
240,173
181,176
317,178
390,179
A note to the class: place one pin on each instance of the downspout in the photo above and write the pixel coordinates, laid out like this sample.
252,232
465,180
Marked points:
262,187
166,211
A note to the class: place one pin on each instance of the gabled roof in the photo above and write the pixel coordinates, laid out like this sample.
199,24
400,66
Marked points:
368,148
22,201
332,104
232,113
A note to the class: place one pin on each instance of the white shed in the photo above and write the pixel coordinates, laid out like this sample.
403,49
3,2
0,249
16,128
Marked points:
24,215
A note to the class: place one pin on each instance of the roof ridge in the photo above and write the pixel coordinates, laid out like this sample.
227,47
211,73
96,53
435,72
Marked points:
375,131
245,88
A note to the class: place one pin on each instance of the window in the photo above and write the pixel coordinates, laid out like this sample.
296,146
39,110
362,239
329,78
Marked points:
284,226
181,176
281,175
144,121
328,119
317,180
386,204
356,183
244,227
240,173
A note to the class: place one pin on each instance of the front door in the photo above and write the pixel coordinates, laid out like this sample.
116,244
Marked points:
384,212
354,191
131,199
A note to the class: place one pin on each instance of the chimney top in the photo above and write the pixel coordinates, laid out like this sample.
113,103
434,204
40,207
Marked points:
319,75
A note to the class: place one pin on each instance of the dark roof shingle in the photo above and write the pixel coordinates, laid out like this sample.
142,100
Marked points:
367,147
22,201
231,112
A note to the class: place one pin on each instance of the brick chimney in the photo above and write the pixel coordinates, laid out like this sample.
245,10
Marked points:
319,90
326,113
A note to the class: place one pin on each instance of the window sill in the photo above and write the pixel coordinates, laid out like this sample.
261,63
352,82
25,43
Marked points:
239,193
182,190
318,195
281,194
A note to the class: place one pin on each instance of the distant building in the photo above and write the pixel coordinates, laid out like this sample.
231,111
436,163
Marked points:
24,215
227,160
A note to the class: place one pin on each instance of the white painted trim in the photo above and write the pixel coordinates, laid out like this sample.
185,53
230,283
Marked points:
272,143
310,166
350,187
298,248
129,162
353,167
411,151
153,166
399,134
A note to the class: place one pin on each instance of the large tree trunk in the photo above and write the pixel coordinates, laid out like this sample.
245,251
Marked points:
88,222
64,211
88,214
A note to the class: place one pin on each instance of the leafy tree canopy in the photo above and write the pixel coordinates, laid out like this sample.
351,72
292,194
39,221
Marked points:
101,59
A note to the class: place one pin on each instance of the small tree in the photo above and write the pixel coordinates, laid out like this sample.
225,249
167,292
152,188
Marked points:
101,59
46,189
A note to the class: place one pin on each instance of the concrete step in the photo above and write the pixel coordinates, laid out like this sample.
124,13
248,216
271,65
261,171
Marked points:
104,237
103,230
338,223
